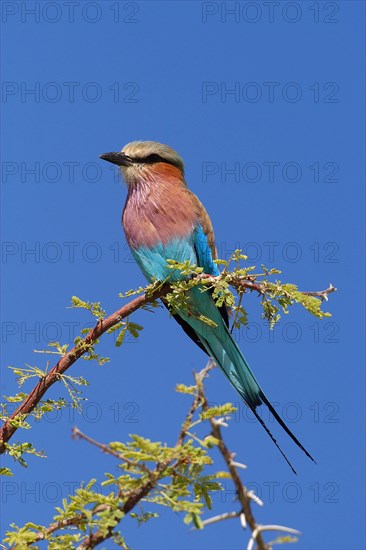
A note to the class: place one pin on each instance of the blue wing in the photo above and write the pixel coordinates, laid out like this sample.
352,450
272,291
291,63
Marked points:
194,248
203,252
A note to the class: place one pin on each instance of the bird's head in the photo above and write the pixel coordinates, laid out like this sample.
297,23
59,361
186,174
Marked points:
144,160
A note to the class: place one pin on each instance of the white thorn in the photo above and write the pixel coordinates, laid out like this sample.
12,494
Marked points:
238,465
243,521
253,496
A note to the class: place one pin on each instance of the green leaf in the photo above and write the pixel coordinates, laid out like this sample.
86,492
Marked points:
223,475
15,398
94,307
221,410
134,329
182,388
6,472
121,337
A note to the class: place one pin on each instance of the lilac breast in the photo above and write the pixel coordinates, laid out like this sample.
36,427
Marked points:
157,213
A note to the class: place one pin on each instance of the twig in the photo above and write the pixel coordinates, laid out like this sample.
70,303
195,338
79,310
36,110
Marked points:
100,536
62,524
196,403
76,433
322,294
241,491
67,360
260,528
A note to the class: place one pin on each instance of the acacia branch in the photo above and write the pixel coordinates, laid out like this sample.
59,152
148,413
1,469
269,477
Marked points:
154,475
136,496
76,433
322,294
62,524
242,493
103,325
67,360
245,514
81,519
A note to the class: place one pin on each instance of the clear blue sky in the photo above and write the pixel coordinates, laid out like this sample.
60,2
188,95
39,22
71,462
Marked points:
265,106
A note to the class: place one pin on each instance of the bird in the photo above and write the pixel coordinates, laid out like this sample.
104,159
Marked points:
164,220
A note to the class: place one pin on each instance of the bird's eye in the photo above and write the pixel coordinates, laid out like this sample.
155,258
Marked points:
154,158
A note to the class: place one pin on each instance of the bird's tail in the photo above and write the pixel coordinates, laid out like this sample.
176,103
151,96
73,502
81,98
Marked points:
228,356
223,349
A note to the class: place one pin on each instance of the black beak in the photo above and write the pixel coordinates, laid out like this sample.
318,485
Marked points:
117,158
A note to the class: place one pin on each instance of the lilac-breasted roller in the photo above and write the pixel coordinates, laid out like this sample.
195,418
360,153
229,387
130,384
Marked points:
164,220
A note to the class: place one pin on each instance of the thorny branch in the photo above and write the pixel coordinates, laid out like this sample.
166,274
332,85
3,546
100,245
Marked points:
103,325
153,475
241,491
76,433
67,360
244,496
